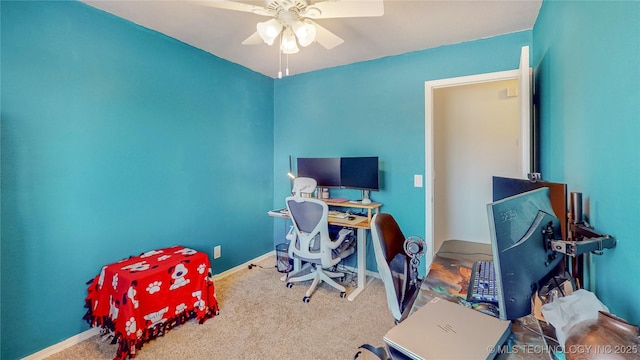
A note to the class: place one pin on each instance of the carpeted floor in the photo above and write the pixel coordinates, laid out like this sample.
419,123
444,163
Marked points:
262,319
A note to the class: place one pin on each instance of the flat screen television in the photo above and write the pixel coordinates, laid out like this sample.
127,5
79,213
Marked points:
360,173
520,227
326,171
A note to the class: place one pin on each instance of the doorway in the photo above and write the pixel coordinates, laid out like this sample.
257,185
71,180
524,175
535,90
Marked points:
462,216
476,135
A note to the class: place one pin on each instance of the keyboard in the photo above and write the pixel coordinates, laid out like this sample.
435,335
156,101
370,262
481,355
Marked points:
337,214
482,286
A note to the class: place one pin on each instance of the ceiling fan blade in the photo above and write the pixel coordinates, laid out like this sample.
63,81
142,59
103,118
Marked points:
344,8
232,5
325,37
254,39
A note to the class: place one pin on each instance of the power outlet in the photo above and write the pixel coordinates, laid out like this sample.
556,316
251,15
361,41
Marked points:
216,252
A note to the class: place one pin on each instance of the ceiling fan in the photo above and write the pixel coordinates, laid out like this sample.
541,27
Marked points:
291,20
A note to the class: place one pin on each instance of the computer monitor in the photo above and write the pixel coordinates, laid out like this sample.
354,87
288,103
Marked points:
326,171
504,187
360,173
519,227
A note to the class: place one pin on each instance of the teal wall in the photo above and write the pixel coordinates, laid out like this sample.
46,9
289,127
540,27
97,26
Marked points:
376,108
117,140
587,75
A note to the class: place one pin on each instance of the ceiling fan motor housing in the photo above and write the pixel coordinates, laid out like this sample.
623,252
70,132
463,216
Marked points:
290,11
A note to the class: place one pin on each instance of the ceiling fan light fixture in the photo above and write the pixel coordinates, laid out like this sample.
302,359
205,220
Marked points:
305,32
269,30
288,44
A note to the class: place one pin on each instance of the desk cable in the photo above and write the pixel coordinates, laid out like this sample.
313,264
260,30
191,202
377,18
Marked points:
544,339
350,276
541,333
251,266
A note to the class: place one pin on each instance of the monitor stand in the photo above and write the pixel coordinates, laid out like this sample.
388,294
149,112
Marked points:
365,197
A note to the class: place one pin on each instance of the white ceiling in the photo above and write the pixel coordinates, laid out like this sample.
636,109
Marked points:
407,25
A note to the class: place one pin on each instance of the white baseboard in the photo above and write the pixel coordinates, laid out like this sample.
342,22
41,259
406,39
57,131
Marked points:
242,266
74,340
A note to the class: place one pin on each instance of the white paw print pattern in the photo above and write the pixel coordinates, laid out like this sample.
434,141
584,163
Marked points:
131,326
151,253
154,287
202,268
101,279
156,317
114,282
181,308
139,266
113,309
163,257
131,294
199,304
185,251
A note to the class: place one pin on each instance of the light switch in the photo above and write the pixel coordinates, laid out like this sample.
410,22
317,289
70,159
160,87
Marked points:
417,181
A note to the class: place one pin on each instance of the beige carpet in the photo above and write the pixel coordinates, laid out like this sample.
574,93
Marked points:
262,319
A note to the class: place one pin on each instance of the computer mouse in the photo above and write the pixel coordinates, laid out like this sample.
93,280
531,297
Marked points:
352,217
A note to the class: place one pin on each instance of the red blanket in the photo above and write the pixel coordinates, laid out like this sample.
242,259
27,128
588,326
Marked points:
141,297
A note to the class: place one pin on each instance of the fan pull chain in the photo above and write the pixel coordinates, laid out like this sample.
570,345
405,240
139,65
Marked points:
280,52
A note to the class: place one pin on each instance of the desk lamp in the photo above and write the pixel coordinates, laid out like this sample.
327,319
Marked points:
290,174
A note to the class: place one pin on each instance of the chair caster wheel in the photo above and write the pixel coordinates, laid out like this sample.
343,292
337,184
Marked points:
305,299
289,285
343,294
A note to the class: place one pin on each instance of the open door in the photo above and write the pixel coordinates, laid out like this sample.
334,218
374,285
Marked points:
524,75
526,131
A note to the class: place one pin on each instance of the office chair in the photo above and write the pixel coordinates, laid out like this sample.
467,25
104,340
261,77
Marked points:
312,243
394,266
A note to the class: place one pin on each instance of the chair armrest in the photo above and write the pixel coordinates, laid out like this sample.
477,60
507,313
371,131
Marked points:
341,236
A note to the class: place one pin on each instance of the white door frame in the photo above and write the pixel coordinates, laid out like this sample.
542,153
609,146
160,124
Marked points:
430,87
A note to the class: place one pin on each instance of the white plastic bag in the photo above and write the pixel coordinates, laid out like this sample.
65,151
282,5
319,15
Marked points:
565,312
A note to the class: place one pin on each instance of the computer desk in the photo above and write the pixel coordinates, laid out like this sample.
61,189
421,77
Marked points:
449,277
361,224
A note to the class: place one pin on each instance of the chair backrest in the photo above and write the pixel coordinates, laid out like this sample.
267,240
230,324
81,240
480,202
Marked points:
303,185
311,226
393,264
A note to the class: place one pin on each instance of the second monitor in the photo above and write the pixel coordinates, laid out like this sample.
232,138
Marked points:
359,173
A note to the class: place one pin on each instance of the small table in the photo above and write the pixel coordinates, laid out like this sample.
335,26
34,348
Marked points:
449,278
142,297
